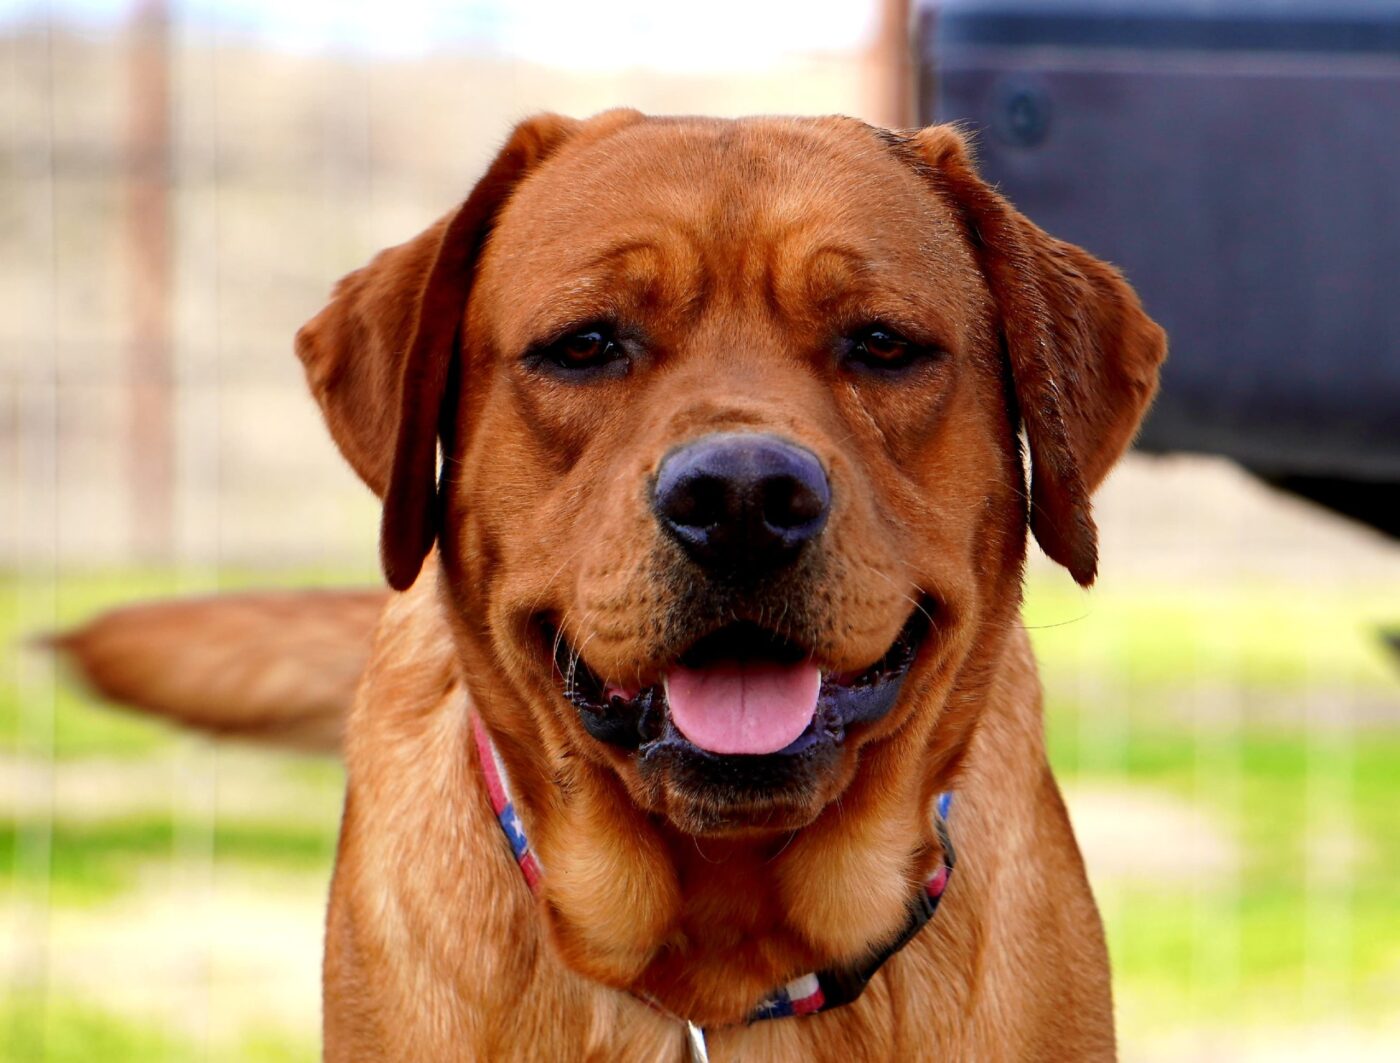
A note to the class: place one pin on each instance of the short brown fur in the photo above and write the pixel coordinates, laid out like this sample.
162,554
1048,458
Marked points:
737,253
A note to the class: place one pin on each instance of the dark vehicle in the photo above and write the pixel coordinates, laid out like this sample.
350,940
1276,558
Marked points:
1240,160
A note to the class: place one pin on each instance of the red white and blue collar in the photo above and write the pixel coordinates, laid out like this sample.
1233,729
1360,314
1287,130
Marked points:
806,995
498,789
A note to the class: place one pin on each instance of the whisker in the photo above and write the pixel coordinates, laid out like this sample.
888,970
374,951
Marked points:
1057,623
578,656
915,602
783,849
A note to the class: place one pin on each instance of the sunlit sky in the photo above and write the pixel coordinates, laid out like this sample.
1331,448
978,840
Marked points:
675,34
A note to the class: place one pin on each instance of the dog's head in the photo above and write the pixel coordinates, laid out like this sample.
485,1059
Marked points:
731,487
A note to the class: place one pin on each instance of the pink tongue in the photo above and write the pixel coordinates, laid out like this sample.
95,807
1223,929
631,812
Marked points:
743,707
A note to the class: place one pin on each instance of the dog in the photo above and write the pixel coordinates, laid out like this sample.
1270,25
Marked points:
701,723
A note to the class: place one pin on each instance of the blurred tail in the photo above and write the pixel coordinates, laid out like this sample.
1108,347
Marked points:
280,667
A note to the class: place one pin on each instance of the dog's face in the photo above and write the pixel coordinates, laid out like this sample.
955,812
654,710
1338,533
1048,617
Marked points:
731,484
731,382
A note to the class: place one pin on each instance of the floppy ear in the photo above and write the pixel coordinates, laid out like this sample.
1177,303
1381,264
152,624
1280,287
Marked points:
378,357
1083,354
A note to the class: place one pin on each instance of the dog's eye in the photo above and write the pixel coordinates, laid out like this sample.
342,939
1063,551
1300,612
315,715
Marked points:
584,349
882,348
581,353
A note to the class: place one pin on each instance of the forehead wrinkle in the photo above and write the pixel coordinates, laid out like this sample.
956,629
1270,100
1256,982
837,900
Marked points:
732,205
621,250
831,271
562,306
617,281
820,276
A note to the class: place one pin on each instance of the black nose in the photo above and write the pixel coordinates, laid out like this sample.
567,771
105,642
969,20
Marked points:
740,502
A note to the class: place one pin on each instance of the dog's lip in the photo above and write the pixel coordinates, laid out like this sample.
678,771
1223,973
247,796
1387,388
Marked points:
638,716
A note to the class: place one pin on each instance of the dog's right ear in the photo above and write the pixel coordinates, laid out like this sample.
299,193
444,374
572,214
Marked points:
378,356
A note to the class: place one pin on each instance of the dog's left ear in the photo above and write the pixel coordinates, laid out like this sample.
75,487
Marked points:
379,356
1083,354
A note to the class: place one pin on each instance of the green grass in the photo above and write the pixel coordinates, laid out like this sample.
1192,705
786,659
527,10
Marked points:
61,1031
1253,637
90,862
1297,933
56,1030
1236,700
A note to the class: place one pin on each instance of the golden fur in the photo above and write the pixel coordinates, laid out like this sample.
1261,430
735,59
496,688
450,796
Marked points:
737,250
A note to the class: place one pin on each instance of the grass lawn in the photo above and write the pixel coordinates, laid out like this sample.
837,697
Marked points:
1272,715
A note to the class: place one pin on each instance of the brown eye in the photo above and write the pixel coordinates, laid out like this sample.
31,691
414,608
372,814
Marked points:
882,345
583,355
879,348
583,348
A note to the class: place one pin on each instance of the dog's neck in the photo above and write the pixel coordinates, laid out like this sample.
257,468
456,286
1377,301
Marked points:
805,994
708,927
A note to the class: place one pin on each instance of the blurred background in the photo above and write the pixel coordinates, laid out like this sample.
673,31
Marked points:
181,183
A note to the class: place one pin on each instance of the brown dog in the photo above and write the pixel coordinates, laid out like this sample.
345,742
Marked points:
725,557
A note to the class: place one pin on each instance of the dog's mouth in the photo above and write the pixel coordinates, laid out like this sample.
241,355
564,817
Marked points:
742,693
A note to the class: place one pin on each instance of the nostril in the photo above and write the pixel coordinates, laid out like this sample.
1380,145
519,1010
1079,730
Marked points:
789,502
698,501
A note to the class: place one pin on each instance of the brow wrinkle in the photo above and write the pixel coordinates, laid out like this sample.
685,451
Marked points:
623,250
807,271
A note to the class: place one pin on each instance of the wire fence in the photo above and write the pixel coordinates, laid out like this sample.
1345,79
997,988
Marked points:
1222,711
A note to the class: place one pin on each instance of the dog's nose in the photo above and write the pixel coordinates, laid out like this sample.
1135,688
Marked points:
741,501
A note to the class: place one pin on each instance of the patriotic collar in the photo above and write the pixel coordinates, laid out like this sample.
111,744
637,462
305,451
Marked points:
811,993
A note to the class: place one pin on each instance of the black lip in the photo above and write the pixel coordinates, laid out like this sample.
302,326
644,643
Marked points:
644,724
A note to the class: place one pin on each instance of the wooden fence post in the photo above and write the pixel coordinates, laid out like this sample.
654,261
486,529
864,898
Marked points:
150,379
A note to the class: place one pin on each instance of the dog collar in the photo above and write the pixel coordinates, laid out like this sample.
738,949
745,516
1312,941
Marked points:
807,995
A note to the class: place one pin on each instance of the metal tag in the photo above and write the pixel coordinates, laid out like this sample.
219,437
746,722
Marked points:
695,1038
